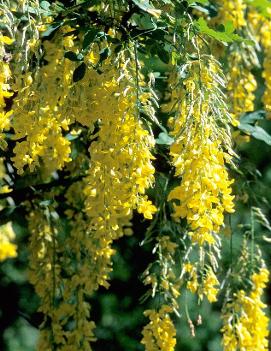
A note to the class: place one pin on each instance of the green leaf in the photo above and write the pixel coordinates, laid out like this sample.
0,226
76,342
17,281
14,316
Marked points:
72,56
71,137
80,57
89,37
72,32
58,6
147,7
6,215
200,8
113,40
227,34
193,2
45,5
118,48
50,30
174,57
144,21
163,54
252,117
104,54
164,139
256,132
46,203
79,72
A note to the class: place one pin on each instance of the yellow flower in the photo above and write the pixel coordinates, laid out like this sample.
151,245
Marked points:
7,248
204,193
159,334
193,284
241,86
6,40
210,286
245,323
146,208
233,11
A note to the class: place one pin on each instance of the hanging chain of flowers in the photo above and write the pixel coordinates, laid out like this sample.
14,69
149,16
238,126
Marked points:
89,137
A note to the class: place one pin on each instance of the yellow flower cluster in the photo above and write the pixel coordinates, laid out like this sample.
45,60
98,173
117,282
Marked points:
41,110
241,82
7,235
263,27
160,333
205,190
61,284
164,280
210,286
5,76
120,169
207,287
204,193
245,323
200,153
44,273
233,11
241,85
7,248
77,284
192,283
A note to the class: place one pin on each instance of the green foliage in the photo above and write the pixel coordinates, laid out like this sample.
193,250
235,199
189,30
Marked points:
257,132
21,336
89,37
146,7
225,34
164,139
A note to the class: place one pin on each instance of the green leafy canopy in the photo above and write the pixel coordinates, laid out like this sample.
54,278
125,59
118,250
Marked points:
226,35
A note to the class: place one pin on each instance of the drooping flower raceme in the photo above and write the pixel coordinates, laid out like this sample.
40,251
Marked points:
7,248
199,157
159,334
232,11
42,113
261,28
245,322
5,90
120,169
241,82
200,154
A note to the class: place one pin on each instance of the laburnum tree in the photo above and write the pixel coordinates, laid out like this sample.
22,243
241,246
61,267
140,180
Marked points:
116,111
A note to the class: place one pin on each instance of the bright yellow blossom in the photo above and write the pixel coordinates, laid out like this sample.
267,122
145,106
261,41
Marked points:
210,286
147,208
204,193
5,89
7,248
241,86
245,322
160,333
233,11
